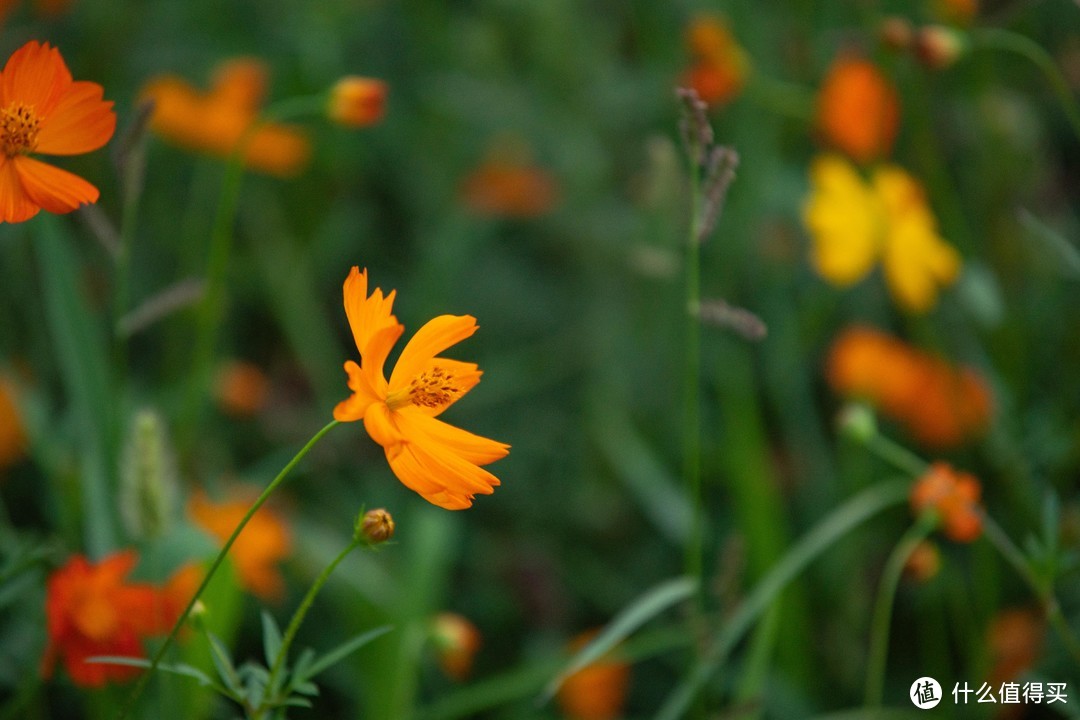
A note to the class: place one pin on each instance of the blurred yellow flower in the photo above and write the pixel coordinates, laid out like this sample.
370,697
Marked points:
215,121
435,459
855,224
264,541
718,66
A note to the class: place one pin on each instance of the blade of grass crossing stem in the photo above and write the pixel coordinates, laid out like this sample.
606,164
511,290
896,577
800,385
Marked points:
845,518
639,612
80,345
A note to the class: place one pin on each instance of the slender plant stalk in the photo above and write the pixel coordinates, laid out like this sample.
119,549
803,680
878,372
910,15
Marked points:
882,618
156,660
998,39
692,380
298,618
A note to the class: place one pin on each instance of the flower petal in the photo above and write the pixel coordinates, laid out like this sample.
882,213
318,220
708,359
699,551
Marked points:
354,407
51,188
368,316
81,121
15,204
435,336
844,219
428,431
34,75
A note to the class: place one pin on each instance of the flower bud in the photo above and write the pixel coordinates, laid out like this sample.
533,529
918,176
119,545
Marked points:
924,562
376,526
456,641
357,101
857,422
896,33
938,47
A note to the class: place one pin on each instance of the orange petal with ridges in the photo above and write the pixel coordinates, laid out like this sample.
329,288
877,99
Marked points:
15,204
435,336
473,448
81,121
35,75
355,406
51,188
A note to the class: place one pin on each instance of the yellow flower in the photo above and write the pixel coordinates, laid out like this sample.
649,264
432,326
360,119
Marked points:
855,224
437,460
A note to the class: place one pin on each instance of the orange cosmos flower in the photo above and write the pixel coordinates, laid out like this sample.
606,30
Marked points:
456,642
216,121
12,434
42,109
719,66
858,110
242,388
357,101
92,610
264,541
955,497
597,691
940,405
439,461
508,184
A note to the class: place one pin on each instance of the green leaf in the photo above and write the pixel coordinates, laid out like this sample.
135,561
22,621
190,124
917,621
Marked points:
182,669
639,612
224,664
271,638
339,652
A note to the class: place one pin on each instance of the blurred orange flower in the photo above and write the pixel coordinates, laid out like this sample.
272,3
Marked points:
924,562
456,642
12,434
1015,640
42,109
940,405
45,8
855,224
242,388
357,101
959,12
719,66
858,110
264,541
92,610
955,497
597,691
216,121
437,460
508,184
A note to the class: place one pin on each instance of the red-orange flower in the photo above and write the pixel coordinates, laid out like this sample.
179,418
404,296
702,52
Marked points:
264,541
456,642
215,121
92,610
437,460
12,434
1015,639
858,110
597,691
43,110
509,184
357,101
940,405
955,496
719,66
242,388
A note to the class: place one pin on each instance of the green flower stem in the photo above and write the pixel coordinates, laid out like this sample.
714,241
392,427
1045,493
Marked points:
156,660
211,309
882,618
897,455
298,618
998,39
1043,588
692,379
845,518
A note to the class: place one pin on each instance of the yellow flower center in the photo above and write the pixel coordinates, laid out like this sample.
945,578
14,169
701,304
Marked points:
433,388
20,126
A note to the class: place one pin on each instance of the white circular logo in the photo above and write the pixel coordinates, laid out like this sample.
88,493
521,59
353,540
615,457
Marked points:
925,693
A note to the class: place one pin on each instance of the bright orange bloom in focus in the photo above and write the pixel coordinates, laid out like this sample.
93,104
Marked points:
43,110
719,66
858,110
439,461
264,541
456,642
955,497
940,405
216,121
597,691
91,610
242,388
509,184
357,101
12,434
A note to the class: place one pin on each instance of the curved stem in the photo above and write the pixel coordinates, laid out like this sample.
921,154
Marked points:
298,618
156,660
899,456
882,618
998,39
